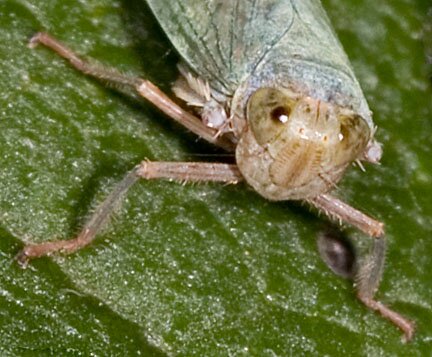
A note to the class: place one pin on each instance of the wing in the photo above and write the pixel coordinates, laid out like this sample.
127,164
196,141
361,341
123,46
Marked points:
229,42
221,40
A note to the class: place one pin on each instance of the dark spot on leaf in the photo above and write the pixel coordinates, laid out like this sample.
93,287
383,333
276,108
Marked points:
338,253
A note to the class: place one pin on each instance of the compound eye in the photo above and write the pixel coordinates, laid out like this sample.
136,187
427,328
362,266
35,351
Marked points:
353,137
280,114
268,112
354,131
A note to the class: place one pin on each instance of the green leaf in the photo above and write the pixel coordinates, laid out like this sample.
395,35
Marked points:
196,269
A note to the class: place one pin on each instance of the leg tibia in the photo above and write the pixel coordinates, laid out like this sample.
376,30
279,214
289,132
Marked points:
145,88
90,229
367,281
370,270
181,171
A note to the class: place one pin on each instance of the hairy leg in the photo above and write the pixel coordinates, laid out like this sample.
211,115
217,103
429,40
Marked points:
338,210
90,229
370,271
181,171
144,87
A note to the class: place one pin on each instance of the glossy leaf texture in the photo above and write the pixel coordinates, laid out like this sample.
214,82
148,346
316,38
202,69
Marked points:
196,269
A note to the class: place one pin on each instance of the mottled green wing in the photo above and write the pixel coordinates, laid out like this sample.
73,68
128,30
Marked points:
222,40
267,41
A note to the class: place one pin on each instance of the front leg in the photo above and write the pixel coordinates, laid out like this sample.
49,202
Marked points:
370,272
144,87
181,171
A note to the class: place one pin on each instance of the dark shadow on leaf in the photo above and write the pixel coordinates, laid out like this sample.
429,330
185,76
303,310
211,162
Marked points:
337,252
150,43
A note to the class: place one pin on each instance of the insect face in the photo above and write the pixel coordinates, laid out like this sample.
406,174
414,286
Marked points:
304,144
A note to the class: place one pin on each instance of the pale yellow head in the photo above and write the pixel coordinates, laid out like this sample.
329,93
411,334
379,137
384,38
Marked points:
297,147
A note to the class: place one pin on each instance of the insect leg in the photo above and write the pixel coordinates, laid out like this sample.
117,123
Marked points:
367,281
336,209
370,271
90,229
190,171
373,152
144,87
182,171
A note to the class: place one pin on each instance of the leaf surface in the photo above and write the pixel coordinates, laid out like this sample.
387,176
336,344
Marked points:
196,269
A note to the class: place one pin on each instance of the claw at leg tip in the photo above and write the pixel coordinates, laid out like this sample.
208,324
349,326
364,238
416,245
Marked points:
408,333
22,258
34,40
